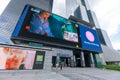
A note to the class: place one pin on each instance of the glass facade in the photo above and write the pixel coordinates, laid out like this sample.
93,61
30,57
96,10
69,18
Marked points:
71,6
77,12
101,38
90,17
83,2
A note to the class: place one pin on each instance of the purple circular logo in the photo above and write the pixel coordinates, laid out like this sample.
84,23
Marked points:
90,36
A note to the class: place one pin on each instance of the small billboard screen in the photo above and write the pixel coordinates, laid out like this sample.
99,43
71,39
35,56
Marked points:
89,39
18,59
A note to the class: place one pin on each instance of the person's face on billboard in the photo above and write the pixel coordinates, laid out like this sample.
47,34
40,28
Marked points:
16,51
14,59
45,14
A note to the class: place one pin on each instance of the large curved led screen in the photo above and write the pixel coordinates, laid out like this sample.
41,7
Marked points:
45,26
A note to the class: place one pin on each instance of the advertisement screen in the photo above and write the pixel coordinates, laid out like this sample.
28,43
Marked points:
89,39
39,24
39,58
51,25
14,58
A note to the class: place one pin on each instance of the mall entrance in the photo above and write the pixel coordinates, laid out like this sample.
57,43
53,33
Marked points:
87,58
78,60
65,61
62,57
83,59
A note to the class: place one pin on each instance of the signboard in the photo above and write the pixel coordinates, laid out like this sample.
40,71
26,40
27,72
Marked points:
41,26
89,39
12,58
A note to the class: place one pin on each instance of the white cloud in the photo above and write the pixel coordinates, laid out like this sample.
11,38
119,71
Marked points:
104,7
116,45
108,14
111,23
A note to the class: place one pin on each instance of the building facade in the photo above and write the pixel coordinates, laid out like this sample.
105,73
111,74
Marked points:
79,9
75,10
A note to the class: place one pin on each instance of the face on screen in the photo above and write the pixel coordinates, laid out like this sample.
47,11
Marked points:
12,58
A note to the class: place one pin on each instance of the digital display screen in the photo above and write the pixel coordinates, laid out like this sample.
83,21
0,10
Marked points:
89,39
41,25
18,59
39,58
50,25
12,58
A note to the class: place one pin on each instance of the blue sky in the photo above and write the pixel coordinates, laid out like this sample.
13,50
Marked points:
108,14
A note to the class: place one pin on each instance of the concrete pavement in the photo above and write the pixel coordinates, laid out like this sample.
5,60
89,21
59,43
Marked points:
65,74
30,75
90,74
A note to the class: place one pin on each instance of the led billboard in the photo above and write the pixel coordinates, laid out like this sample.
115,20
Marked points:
89,39
42,26
12,58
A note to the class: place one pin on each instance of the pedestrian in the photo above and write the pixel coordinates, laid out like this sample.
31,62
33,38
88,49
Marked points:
61,65
57,65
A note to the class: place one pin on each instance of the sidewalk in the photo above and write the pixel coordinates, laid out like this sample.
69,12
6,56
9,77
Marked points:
64,74
90,74
30,75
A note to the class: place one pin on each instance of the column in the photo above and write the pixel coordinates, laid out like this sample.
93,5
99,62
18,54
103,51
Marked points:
92,60
48,60
73,61
82,59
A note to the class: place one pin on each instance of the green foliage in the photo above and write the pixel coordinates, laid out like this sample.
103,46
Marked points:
111,67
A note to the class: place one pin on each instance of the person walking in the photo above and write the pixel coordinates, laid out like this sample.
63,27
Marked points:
61,65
